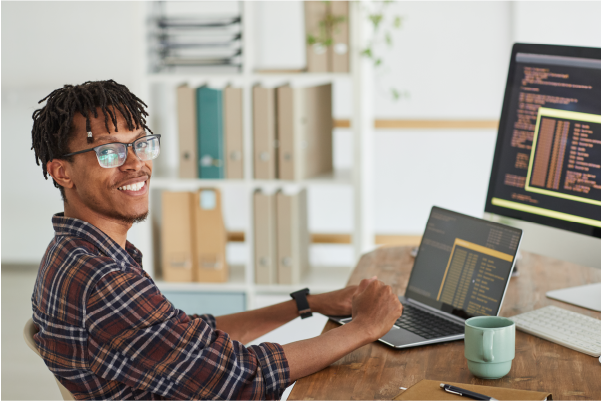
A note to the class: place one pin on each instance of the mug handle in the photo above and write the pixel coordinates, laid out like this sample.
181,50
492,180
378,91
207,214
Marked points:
487,345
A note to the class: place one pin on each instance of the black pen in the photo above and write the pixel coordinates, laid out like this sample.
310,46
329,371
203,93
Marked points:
465,393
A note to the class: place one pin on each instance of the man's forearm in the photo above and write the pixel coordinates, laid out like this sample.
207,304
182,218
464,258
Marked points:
309,356
249,325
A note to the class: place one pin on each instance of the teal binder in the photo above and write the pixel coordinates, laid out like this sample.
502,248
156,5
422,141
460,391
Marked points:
210,132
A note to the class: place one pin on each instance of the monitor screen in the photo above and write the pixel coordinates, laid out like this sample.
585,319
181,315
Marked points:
547,163
464,264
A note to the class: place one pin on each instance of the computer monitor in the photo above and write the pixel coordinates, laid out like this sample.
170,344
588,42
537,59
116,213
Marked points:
546,173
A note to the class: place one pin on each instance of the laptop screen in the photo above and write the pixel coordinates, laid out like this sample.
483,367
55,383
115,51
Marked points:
464,264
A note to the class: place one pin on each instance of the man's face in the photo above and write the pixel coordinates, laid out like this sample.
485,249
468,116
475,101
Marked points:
102,190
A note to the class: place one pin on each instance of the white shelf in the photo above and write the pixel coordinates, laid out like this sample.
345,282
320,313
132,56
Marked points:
339,177
318,280
200,76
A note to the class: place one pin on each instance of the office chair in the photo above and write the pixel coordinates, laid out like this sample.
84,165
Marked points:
28,332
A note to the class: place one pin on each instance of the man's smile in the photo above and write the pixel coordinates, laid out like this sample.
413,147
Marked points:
132,187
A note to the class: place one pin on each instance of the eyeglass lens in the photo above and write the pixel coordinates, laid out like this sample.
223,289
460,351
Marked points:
115,154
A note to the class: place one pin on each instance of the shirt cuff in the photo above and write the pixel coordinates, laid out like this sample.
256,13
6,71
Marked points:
274,366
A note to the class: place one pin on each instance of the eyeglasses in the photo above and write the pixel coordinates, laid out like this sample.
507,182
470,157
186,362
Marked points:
114,154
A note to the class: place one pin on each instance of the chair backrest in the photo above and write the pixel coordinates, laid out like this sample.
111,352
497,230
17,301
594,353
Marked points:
28,332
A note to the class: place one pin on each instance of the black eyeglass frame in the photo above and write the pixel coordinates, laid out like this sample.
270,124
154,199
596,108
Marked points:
127,146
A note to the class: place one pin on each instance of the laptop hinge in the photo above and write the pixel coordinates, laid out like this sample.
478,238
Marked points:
450,316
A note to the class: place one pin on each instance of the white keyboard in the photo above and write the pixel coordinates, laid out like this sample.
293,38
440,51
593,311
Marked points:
570,329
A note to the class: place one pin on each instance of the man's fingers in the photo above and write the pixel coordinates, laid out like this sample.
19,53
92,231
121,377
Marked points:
363,284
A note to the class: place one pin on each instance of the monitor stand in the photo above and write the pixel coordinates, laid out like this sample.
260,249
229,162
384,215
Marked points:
586,296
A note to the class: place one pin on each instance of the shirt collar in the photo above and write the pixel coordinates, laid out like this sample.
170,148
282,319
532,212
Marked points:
78,228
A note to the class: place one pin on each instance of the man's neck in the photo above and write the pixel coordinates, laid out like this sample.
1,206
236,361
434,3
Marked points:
115,229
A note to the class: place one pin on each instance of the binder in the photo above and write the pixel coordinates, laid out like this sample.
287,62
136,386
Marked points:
340,48
317,157
305,131
265,238
264,133
177,237
318,56
187,131
292,236
292,121
232,128
210,132
210,237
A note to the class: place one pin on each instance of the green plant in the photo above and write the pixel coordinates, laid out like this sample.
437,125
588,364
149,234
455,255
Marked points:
383,26
329,24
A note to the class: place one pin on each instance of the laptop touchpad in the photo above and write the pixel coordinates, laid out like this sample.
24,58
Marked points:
398,337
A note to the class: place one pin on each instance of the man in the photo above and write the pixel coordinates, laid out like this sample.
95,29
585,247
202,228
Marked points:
105,329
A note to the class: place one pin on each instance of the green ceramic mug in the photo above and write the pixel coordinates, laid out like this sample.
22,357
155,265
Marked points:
489,346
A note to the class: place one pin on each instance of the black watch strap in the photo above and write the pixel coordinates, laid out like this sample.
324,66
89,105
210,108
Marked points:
301,303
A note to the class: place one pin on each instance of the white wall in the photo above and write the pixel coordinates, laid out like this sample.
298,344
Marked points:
49,44
451,57
44,46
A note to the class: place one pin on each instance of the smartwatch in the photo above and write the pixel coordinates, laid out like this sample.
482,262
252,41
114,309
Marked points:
301,303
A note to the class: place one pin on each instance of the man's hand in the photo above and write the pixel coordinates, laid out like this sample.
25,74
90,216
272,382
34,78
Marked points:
335,303
375,307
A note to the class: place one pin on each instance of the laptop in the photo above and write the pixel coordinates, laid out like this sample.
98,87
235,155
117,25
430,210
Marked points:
461,270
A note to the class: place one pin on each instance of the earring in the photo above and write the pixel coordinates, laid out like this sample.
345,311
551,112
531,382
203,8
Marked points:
90,139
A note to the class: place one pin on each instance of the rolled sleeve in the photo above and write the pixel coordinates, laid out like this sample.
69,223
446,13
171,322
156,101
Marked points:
274,367
138,338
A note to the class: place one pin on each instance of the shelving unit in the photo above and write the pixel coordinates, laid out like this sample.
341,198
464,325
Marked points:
159,90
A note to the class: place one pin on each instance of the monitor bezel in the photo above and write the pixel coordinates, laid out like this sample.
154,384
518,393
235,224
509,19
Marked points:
551,50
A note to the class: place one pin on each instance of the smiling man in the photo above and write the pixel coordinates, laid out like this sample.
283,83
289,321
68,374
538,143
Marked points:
105,329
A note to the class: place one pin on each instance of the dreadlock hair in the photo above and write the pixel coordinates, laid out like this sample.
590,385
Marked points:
53,124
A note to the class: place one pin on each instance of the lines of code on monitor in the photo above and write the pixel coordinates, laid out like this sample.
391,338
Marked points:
550,156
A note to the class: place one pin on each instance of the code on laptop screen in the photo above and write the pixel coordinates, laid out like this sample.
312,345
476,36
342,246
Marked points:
464,264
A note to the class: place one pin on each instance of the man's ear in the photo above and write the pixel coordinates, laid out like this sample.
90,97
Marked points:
58,169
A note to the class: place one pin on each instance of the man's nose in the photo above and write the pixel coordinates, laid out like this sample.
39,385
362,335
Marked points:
132,162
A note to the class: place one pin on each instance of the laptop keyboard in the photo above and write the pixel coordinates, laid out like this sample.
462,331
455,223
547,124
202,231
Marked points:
427,324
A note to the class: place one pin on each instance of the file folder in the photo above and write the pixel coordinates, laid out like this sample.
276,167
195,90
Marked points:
232,128
318,55
178,259
317,157
210,237
304,131
187,131
265,238
340,48
292,236
264,133
210,132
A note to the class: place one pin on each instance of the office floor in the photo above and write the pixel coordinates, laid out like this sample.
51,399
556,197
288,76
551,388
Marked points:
24,375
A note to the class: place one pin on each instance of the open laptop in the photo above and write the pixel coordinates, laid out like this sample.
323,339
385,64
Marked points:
461,270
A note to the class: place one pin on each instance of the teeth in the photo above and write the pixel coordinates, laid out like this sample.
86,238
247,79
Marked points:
132,187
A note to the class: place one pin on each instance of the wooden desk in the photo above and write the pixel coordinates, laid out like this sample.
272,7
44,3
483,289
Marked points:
376,371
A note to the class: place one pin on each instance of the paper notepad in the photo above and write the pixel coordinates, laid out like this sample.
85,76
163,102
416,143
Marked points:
431,390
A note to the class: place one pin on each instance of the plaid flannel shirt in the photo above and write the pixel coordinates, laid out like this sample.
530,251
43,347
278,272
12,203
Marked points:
107,332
